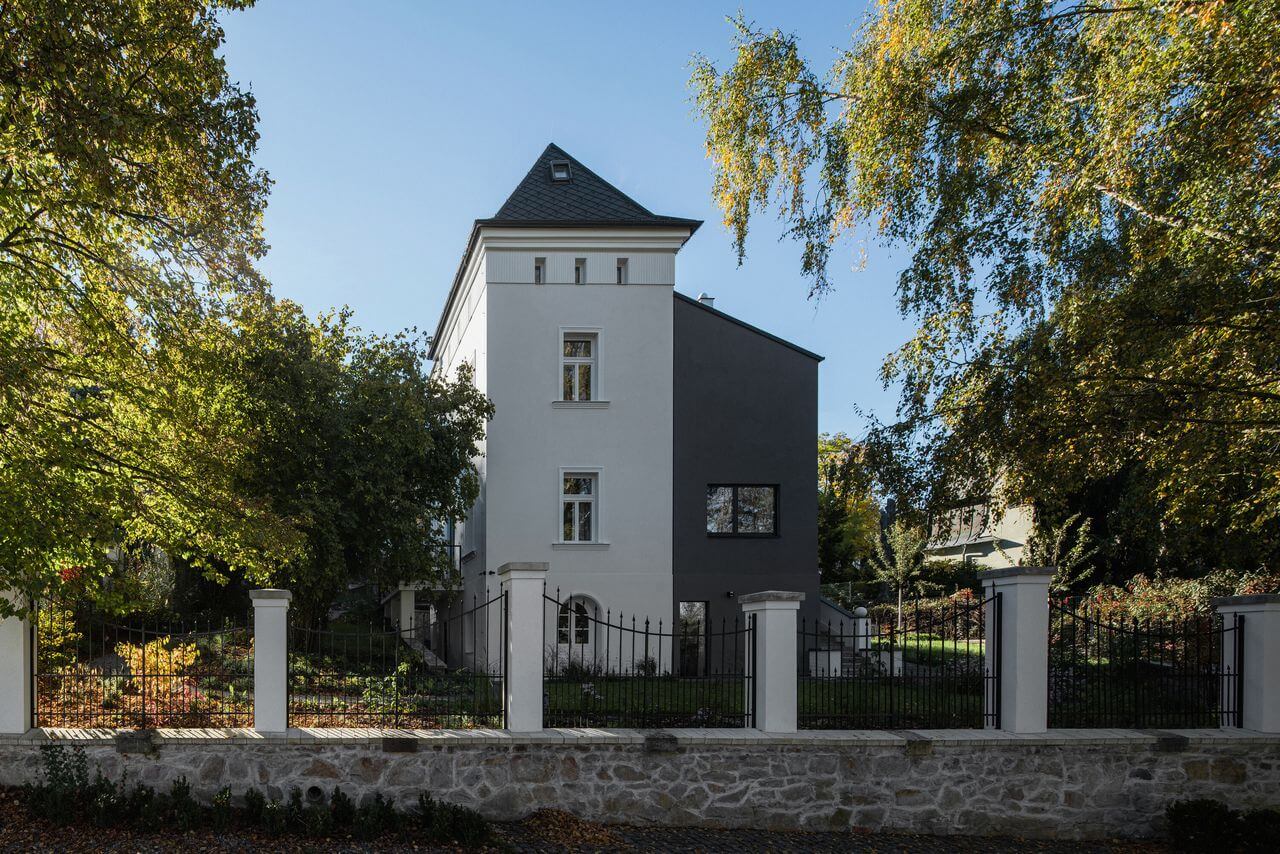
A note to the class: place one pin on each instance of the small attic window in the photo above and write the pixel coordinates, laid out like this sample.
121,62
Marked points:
560,170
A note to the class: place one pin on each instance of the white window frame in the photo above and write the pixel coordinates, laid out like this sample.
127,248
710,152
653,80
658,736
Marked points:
595,500
573,622
579,271
623,271
539,271
568,333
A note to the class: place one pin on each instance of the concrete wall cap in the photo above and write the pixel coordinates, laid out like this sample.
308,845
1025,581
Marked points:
270,594
1256,599
1016,572
523,566
771,596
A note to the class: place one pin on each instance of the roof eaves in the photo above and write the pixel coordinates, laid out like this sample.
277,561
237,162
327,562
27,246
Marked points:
453,290
757,330
652,222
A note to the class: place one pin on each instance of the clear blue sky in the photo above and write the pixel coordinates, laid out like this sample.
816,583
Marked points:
389,126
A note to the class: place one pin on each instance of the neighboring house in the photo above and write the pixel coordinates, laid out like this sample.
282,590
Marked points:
975,534
656,452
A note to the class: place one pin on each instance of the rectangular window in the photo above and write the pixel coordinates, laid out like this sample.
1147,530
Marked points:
539,271
578,508
579,271
742,510
622,271
578,366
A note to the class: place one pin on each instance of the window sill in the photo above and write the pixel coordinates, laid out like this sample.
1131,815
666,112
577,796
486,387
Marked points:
583,547
580,404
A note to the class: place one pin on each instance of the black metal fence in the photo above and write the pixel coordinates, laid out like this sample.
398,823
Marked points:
364,676
1128,673
606,671
928,670
94,672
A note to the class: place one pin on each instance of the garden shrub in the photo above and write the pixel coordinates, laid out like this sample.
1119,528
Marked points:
341,808
955,617
1144,598
103,802
375,817
221,813
442,822
135,802
154,810
66,780
254,803
295,811
274,819
317,821
67,794
186,812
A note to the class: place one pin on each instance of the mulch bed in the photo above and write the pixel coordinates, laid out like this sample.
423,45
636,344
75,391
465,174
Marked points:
543,831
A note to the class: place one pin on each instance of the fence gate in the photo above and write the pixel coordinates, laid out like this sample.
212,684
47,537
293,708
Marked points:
924,668
1134,674
602,670
95,670
448,675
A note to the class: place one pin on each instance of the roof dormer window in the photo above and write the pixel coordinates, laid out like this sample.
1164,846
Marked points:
560,170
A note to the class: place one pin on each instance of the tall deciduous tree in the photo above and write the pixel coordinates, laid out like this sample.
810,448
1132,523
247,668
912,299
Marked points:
1089,194
152,394
129,213
848,514
368,453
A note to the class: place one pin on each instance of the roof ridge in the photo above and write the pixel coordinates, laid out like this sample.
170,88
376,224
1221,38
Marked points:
581,197
578,165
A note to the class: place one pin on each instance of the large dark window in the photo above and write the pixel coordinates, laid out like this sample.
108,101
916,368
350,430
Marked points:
742,510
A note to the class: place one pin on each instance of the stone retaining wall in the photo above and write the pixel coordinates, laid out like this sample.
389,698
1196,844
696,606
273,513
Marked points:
1068,784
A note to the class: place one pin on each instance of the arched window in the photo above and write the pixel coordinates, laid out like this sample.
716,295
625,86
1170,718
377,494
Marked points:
574,623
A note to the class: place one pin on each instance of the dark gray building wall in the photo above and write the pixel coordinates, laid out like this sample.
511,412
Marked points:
746,411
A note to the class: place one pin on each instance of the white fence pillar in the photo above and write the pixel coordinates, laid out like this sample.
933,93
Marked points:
771,657
406,597
524,584
1019,618
1258,696
270,659
17,654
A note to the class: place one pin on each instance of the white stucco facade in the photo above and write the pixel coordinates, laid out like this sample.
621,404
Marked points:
512,330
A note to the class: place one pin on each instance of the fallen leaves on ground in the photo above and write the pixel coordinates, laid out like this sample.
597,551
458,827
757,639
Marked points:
558,827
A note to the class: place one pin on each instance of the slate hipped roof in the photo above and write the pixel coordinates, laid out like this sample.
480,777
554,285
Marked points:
585,199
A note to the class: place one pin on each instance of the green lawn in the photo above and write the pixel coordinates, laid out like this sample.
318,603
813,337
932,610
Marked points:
930,649
657,701
883,703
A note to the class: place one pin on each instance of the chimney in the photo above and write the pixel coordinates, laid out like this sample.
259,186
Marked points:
707,300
